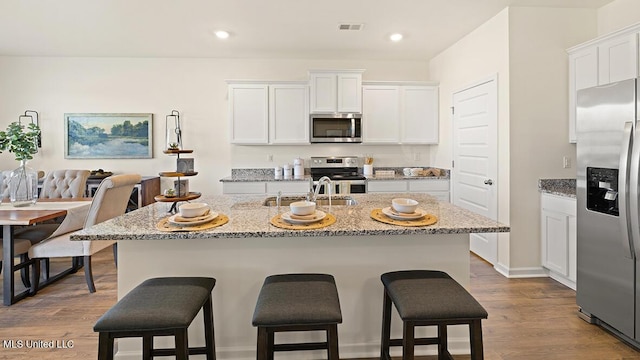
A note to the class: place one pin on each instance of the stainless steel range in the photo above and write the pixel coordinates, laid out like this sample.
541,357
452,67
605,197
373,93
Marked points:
343,172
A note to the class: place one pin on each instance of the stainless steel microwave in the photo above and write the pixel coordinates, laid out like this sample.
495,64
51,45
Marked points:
336,128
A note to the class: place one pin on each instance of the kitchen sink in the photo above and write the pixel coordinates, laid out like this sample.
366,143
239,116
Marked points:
287,200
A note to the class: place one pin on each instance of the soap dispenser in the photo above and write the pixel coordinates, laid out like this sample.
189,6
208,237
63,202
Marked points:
298,168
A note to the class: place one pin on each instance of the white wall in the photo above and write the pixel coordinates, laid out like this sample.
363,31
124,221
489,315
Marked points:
479,55
525,47
539,114
618,14
195,87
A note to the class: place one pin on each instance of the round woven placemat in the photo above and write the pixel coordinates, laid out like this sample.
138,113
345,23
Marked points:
278,221
165,225
428,219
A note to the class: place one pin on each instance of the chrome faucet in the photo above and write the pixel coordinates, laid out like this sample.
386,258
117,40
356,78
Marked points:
279,199
328,186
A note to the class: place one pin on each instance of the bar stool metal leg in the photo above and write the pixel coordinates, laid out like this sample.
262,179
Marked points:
386,327
408,330
182,344
475,334
209,331
147,346
332,341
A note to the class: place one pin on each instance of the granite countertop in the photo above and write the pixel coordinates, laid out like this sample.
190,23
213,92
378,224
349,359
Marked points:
399,175
402,177
561,187
260,175
249,218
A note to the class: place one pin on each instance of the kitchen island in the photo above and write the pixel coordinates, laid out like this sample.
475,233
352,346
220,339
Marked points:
355,249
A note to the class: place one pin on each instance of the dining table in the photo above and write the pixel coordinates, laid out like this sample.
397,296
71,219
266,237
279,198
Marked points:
74,211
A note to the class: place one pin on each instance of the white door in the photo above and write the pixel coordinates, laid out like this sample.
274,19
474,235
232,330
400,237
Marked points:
475,156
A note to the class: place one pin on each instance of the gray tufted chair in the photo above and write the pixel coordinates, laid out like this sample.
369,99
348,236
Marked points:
109,201
5,176
65,184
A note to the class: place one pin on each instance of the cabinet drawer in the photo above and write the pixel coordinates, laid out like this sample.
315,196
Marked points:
555,203
428,185
387,186
243,188
288,187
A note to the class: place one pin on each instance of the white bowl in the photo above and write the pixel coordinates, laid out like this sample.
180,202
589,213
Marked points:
302,207
404,205
189,210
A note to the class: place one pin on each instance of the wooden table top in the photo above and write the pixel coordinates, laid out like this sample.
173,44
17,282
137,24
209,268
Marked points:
26,216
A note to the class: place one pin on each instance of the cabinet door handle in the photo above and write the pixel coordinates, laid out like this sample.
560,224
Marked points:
488,182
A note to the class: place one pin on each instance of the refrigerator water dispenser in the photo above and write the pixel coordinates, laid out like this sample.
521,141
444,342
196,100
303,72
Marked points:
602,190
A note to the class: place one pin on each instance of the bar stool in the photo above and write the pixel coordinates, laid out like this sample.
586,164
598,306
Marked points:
160,307
423,298
297,302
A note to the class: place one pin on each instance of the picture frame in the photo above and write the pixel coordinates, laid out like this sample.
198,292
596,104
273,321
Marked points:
108,135
184,165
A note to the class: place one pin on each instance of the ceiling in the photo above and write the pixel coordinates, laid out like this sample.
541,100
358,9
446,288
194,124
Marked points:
258,28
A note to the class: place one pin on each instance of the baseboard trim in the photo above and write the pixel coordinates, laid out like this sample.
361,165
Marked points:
525,272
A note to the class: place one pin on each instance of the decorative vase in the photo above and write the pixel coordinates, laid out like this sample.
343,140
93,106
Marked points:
23,185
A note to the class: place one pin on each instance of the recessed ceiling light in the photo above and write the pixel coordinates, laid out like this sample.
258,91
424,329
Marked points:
221,34
396,37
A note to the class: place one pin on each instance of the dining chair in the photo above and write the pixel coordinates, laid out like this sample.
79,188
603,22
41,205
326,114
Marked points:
20,250
65,184
109,201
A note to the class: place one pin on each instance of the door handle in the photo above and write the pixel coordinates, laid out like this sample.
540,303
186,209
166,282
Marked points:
488,182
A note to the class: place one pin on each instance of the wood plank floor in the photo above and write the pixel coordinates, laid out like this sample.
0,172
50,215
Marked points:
528,319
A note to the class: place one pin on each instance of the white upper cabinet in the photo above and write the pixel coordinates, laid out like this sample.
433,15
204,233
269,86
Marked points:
249,113
336,91
618,59
269,113
381,114
400,114
584,74
288,114
419,114
604,60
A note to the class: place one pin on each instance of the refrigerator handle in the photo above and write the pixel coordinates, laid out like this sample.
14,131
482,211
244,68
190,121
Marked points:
628,177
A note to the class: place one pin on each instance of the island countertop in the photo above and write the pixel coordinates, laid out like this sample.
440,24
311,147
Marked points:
249,218
355,249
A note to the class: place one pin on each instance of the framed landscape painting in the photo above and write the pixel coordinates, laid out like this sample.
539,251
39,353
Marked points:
108,136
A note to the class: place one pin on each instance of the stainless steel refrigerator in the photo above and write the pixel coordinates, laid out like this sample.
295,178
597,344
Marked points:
608,156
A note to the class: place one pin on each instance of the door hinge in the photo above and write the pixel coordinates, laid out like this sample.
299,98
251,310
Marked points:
452,164
453,110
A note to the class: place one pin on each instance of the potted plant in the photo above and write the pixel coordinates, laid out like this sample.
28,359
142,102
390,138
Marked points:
23,143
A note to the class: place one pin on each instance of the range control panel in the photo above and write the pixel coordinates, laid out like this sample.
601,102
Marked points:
334,161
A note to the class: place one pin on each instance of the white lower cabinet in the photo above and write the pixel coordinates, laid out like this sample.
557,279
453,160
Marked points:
266,187
558,237
438,188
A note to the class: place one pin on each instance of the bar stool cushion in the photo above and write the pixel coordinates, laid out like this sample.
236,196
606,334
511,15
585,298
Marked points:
177,299
297,299
432,295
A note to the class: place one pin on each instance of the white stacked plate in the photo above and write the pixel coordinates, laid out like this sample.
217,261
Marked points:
306,219
419,213
198,220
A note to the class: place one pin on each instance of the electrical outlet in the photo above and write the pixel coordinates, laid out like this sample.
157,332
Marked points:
566,162
270,158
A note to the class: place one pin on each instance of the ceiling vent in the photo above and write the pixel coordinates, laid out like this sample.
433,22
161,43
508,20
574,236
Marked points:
356,27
